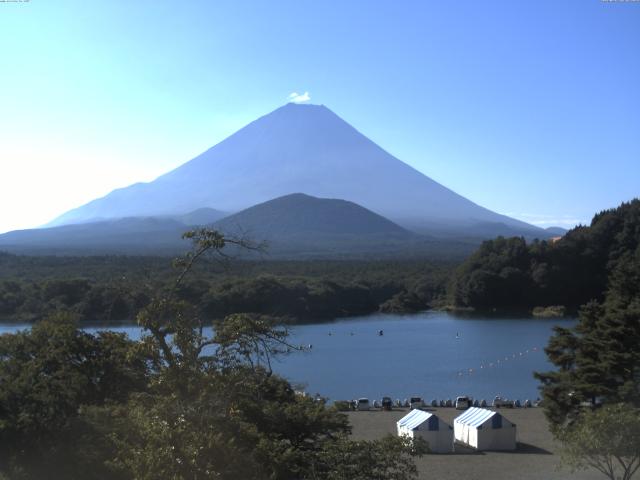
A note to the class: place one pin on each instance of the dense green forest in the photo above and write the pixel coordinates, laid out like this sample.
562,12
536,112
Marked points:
79,406
115,288
510,273
505,273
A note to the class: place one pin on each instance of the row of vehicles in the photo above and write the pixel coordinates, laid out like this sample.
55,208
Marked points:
461,403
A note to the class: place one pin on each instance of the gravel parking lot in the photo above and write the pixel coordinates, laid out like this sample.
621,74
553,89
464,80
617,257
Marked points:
535,459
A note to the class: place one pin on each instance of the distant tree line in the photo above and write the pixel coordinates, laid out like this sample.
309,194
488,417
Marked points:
111,289
505,273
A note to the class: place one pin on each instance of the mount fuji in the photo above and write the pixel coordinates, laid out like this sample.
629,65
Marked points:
302,148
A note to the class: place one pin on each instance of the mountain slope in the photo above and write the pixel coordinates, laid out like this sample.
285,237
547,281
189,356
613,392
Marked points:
123,235
201,216
294,226
126,235
302,226
299,216
296,148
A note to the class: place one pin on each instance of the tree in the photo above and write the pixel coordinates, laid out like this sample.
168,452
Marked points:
598,361
215,409
607,439
387,459
496,275
184,402
48,375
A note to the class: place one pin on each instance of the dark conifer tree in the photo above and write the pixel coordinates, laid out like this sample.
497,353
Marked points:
599,360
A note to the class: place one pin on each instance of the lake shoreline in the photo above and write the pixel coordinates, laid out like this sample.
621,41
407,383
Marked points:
462,312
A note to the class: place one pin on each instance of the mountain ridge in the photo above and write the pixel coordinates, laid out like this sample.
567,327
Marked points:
300,214
295,148
293,226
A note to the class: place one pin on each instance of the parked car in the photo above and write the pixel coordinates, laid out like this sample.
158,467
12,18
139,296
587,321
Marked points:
502,402
362,404
462,403
387,403
416,402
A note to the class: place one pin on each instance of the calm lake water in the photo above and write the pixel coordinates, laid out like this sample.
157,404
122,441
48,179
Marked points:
431,354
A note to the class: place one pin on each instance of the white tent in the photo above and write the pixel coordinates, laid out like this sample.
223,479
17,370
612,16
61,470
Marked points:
484,429
437,434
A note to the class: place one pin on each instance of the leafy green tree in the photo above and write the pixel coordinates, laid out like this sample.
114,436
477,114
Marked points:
607,439
48,374
215,409
181,403
497,275
390,458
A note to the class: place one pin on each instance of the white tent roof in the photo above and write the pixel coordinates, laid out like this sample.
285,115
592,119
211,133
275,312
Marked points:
414,419
474,417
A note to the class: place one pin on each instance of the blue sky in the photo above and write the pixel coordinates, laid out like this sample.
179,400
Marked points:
529,108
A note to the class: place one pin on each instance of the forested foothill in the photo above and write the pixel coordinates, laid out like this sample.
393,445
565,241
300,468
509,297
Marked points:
509,273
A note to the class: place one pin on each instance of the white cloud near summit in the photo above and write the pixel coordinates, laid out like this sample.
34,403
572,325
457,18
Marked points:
296,97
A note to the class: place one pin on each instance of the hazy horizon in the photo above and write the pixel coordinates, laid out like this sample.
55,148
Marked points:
530,110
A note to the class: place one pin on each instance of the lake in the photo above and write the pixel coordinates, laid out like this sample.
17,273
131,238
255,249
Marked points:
431,354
